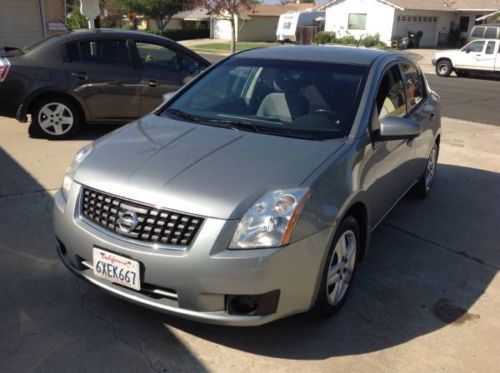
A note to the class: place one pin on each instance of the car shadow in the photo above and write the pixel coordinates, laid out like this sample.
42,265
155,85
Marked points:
422,275
86,132
427,268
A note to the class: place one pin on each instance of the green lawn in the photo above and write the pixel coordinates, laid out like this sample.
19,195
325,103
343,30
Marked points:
225,47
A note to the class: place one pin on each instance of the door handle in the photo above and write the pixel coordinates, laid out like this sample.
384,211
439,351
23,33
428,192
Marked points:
409,142
81,76
150,83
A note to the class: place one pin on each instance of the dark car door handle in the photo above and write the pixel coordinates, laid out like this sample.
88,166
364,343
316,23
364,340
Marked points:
409,142
151,83
82,76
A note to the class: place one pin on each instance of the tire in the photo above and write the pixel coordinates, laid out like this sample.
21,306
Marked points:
338,274
55,118
444,68
424,185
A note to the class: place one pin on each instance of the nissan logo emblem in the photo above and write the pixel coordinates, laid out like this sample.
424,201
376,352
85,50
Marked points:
128,221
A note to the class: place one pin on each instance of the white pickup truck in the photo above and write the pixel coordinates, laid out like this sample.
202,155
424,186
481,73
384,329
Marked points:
478,56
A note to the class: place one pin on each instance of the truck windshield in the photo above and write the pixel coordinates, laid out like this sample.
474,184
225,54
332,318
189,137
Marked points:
312,100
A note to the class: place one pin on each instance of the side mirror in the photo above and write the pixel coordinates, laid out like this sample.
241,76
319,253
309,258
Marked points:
467,50
396,128
168,96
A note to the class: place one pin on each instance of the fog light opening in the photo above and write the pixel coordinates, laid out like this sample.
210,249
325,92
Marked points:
244,305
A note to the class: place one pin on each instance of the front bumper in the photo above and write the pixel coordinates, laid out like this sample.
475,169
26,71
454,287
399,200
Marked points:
197,281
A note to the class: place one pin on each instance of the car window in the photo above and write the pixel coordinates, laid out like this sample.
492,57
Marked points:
314,99
104,52
490,33
72,52
477,32
154,56
475,46
415,90
490,47
391,95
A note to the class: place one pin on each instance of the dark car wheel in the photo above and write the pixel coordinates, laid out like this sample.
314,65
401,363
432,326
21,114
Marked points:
55,118
424,184
339,269
443,68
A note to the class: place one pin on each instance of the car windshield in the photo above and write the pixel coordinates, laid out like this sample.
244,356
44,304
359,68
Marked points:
286,98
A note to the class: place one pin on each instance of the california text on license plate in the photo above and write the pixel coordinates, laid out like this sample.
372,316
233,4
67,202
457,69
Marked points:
116,268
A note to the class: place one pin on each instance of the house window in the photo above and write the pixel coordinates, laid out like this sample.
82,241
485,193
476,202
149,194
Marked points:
357,21
464,24
435,19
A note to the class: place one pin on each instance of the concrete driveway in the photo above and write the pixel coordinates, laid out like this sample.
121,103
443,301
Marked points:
426,299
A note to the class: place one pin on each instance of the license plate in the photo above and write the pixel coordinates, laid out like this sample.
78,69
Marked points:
116,268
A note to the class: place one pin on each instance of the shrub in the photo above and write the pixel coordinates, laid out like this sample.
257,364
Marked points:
325,37
76,20
347,40
370,40
201,33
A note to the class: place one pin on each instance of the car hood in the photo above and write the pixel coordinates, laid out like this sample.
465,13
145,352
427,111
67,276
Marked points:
198,169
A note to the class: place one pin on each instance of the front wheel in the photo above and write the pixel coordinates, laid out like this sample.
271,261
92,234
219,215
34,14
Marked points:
443,68
340,266
55,118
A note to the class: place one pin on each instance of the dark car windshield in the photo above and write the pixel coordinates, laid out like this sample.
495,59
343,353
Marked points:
289,98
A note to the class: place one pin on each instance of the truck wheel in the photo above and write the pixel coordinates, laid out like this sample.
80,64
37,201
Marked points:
443,68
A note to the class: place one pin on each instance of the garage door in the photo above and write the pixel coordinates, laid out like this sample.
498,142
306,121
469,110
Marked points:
222,29
20,22
415,23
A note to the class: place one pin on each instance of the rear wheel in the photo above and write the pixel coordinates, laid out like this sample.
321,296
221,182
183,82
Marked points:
55,118
339,269
443,68
424,185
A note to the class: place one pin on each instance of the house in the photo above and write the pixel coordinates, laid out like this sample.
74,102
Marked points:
185,20
257,25
23,22
394,18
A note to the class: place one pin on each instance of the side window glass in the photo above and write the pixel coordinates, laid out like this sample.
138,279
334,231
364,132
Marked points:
478,32
413,85
391,95
153,56
490,47
475,46
72,52
490,33
104,52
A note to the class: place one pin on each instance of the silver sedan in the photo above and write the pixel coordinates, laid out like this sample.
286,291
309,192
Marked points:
251,194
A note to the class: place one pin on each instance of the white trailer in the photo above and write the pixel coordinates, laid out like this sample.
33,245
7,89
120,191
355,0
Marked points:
289,22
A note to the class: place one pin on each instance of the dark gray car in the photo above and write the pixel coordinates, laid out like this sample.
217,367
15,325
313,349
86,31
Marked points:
252,193
103,76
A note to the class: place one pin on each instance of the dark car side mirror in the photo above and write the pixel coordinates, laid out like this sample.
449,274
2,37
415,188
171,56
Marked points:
396,128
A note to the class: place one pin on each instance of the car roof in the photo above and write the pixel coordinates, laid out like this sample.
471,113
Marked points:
114,32
316,53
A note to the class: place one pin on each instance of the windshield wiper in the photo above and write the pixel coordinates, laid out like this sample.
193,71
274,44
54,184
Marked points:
236,125
184,115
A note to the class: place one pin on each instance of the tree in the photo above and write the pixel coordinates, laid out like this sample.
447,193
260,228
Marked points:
158,10
227,9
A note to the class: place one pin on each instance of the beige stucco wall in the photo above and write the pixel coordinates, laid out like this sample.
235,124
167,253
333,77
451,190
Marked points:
54,12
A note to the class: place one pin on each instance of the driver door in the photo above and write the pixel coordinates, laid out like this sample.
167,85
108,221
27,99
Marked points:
162,70
469,56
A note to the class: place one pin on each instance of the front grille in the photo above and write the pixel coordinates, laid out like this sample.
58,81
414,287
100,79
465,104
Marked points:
153,225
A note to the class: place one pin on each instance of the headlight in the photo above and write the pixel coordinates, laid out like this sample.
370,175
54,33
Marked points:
270,221
70,172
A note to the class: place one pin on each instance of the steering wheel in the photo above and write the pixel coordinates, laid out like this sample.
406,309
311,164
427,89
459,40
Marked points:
329,114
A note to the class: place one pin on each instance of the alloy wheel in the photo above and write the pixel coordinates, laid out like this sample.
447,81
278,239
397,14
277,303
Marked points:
55,118
341,267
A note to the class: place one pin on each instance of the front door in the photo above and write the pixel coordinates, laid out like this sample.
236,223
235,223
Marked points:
388,167
162,70
100,72
469,56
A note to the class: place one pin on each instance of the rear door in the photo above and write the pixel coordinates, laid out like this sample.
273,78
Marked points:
162,69
100,71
